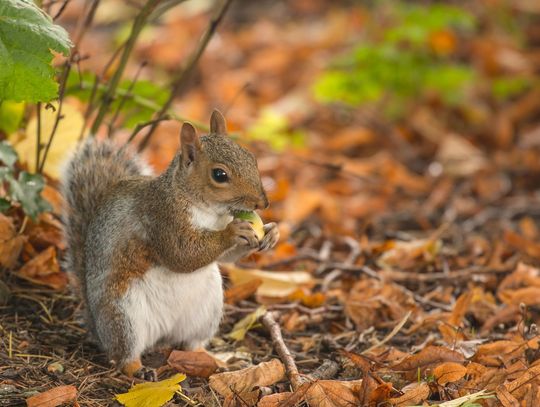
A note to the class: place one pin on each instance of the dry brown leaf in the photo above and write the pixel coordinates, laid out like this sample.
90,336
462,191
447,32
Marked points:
532,374
53,397
526,295
331,393
242,291
243,381
199,363
459,157
522,244
460,308
10,243
504,396
415,395
277,284
44,269
449,372
285,399
428,356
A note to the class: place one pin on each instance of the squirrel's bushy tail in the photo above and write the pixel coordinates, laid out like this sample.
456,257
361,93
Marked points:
88,175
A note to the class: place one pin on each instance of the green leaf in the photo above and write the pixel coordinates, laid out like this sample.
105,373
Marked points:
27,36
151,394
7,154
27,191
4,204
11,114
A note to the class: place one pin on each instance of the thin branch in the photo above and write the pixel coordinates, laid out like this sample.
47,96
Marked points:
284,353
108,97
185,72
124,99
38,136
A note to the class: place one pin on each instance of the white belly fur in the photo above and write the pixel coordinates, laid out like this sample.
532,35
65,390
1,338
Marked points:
182,308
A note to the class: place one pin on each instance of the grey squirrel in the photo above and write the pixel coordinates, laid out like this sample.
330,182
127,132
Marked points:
144,249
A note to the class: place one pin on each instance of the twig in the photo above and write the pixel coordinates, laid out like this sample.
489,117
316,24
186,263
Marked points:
186,70
38,135
284,353
393,333
327,370
108,97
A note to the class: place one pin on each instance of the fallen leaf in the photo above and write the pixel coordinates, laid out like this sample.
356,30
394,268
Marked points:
243,381
459,157
53,397
278,284
151,394
241,328
415,395
449,372
242,291
428,356
331,393
505,397
285,399
311,300
11,244
44,269
199,363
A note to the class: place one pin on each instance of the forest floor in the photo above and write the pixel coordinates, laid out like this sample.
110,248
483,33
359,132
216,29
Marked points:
410,250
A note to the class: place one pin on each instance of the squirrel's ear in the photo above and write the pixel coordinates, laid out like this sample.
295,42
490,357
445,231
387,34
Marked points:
217,123
189,143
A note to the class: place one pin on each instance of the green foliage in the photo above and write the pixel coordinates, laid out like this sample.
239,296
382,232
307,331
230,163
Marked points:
273,128
402,64
11,115
27,36
137,102
24,189
506,87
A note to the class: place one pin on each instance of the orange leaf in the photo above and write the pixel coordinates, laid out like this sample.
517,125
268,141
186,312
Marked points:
242,291
44,269
199,364
53,397
10,243
428,356
414,396
449,372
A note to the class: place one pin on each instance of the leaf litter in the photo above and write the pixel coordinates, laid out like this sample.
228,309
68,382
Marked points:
408,271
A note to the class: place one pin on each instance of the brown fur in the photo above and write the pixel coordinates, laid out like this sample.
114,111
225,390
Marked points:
119,223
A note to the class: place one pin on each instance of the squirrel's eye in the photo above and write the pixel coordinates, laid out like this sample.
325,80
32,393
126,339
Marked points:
219,175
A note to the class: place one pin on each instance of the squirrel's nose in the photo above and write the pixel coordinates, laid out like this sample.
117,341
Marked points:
262,203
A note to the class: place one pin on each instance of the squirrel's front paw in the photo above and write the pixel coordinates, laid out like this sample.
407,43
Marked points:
242,234
271,236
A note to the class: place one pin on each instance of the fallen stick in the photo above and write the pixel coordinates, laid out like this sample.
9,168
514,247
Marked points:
284,353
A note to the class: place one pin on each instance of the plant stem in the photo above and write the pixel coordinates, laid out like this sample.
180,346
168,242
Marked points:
185,71
109,95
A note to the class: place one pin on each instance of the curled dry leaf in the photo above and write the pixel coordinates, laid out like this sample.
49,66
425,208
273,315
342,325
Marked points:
333,393
415,395
242,291
285,399
277,284
449,372
10,243
199,364
44,269
53,397
430,355
243,381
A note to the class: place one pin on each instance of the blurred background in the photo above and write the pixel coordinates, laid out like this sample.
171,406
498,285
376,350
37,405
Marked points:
399,143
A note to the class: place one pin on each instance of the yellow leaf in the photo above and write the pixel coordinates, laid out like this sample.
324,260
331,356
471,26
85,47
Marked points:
278,284
65,138
241,328
151,394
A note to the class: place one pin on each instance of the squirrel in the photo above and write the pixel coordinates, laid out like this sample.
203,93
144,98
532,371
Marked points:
144,248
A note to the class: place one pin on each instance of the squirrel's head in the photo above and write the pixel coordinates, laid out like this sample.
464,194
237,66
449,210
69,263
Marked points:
218,172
